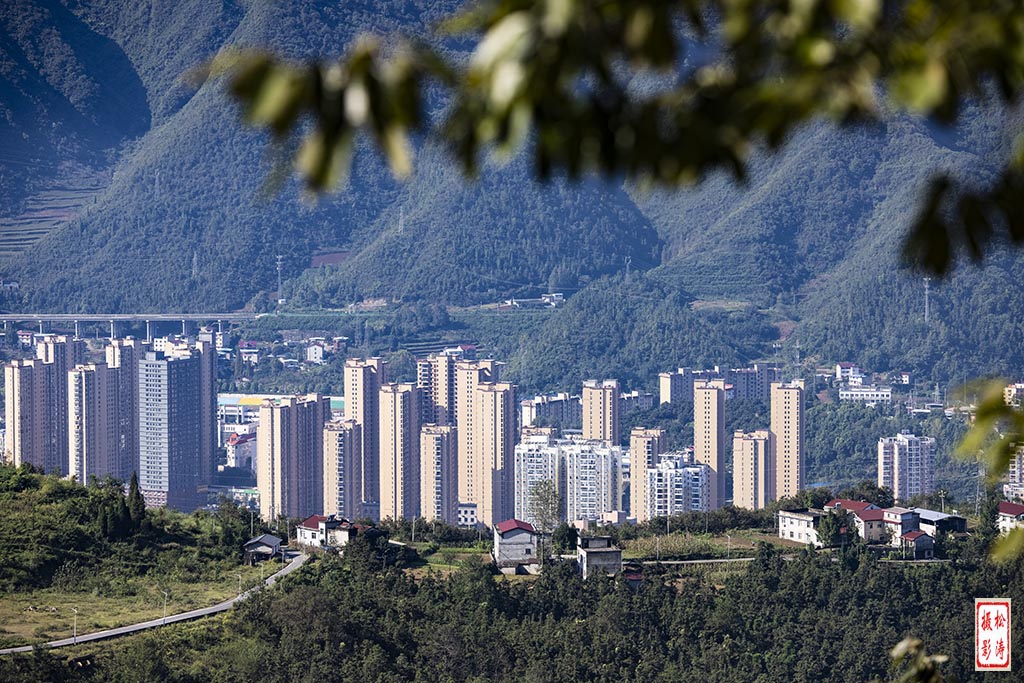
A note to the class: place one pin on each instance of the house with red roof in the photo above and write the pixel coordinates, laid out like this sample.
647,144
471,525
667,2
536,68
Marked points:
918,545
871,524
1011,516
515,544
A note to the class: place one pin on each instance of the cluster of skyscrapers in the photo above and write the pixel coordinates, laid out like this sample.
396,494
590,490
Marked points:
440,448
149,407
447,447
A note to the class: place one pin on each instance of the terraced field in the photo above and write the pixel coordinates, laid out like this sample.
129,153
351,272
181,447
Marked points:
48,209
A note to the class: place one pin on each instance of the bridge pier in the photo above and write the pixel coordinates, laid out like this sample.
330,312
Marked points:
149,332
42,330
184,327
113,329
78,331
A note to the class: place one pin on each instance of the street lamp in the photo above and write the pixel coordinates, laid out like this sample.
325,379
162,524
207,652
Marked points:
728,541
239,584
75,632
165,608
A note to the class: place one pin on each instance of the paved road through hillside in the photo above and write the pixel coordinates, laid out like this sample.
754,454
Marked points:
295,563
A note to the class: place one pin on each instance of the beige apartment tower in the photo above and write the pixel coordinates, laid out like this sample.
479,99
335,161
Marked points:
290,456
438,447
753,470
399,451
363,379
645,449
492,472
36,404
342,491
92,422
468,376
601,410
435,378
709,436
27,437
787,428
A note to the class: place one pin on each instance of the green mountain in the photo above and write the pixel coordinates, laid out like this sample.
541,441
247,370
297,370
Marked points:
123,187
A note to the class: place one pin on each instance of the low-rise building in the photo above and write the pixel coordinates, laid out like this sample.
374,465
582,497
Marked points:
1011,516
596,554
866,394
871,524
899,521
263,547
800,525
327,531
933,521
918,544
515,543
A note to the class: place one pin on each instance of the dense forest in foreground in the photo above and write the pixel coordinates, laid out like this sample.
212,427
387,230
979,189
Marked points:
810,617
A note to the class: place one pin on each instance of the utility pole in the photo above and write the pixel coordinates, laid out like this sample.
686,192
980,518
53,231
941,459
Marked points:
75,636
280,260
165,608
927,286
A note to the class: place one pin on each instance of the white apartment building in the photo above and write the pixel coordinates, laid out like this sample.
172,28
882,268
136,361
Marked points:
585,472
906,464
674,486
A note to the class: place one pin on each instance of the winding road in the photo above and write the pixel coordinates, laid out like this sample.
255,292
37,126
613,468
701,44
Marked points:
294,564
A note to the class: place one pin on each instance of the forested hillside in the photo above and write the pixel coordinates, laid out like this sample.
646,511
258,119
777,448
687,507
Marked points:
806,251
817,618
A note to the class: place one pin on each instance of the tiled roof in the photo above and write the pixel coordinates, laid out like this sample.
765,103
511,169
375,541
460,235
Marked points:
847,504
1012,509
914,535
510,524
874,515
313,521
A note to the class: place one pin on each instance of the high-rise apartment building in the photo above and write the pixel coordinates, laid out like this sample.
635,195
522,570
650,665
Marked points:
536,459
906,465
591,479
753,470
169,435
753,383
399,451
468,376
494,427
290,456
435,378
601,410
36,396
363,379
709,436
645,449
92,422
675,486
123,361
205,355
59,354
787,428
342,490
585,474
27,436
438,463
552,409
